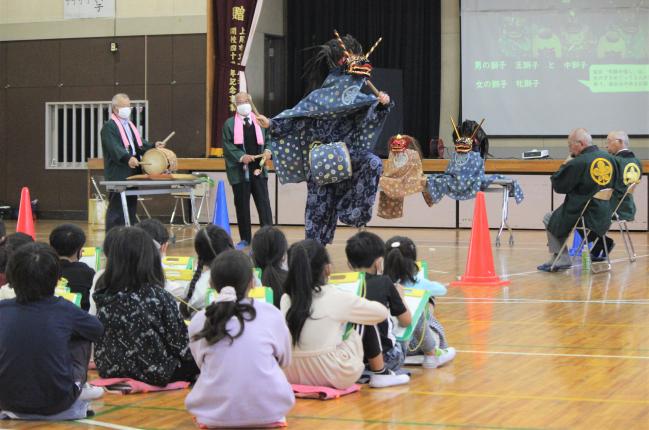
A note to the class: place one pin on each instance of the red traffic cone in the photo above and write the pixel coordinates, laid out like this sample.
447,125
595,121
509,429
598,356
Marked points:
480,262
25,221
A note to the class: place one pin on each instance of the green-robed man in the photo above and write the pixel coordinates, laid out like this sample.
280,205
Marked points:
586,172
123,149
244,146
629,171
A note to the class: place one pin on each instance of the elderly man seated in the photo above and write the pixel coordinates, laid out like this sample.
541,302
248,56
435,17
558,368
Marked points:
629,170
585,172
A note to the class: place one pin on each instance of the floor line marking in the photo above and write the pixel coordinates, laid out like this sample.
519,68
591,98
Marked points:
107,425
517,397
547,354
545,323
540,301
587,348
405,423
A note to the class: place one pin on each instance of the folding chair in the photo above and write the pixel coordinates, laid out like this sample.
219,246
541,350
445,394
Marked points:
201,190
603,195
622,225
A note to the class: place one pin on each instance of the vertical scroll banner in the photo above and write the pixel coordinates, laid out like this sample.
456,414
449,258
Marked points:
234,23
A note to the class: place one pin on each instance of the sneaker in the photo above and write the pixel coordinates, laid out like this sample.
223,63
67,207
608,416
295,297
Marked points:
91,392
441,357
547,267
241,245
388,380
414,360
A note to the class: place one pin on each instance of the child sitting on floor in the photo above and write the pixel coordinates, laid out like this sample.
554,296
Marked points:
269,248
146,337
317,315
209,242
44,343
160,236
428,337
7,247
240,345
383,354
68,240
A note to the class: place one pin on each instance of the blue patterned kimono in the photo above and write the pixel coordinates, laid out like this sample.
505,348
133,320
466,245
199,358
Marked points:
336,112
464,177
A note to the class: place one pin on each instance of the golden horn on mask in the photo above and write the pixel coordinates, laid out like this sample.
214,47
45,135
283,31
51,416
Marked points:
341,43
373,47
476,129
457,133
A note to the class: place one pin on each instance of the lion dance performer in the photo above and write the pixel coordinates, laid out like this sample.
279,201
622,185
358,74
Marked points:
464,175
328,137
403,176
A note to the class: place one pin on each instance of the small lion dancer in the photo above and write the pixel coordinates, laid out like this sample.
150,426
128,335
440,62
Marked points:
402,176
465,174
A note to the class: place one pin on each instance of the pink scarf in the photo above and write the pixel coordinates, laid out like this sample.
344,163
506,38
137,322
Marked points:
122,133
238,129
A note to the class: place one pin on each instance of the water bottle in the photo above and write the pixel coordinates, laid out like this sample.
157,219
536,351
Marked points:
585,259
246,173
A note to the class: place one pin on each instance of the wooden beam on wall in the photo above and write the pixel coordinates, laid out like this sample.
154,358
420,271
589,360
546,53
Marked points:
209,77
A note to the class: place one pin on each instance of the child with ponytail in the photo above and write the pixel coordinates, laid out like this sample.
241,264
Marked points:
240,346
209,242
317,315
428,337
269,248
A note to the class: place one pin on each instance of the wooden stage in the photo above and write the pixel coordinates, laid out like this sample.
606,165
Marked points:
550,351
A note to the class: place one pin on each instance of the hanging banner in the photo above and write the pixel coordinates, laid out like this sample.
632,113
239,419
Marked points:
234,24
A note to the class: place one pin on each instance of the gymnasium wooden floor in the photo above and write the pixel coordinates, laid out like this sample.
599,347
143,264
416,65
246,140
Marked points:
550,351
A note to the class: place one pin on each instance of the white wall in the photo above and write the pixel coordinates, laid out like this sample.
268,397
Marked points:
43,19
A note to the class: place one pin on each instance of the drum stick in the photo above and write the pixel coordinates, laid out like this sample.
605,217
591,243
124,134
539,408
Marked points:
167,138
254,108
372,87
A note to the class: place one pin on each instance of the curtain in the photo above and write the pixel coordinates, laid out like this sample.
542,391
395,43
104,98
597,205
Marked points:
411,42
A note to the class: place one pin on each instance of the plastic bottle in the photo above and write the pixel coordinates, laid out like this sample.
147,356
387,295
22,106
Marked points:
585,259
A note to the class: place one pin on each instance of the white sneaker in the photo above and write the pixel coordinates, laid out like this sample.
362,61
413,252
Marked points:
441,357
91,392
414,360
388,380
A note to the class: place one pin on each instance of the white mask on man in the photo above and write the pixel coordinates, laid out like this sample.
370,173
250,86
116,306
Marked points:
124,113
244,109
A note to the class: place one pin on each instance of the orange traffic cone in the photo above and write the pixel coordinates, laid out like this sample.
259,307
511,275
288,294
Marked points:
480,262
25,220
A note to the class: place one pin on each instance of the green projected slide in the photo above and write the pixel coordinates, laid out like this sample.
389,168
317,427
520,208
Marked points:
544,67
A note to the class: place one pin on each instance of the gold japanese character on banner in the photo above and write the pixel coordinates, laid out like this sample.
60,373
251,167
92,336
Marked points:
238,13
233,31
